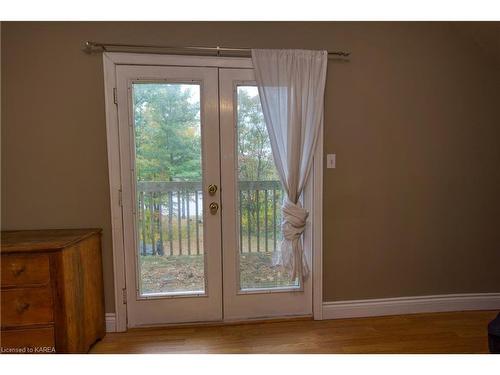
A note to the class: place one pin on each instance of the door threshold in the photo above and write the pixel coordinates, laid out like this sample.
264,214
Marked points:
220,323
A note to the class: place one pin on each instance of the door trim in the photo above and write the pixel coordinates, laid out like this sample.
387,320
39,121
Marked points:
115,188
317,227
124,58
110,61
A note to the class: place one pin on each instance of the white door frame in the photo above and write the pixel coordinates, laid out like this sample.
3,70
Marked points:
110,61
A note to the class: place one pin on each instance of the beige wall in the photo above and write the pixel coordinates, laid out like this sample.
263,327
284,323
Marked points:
413,206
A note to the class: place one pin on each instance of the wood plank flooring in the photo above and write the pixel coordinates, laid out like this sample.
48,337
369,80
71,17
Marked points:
456,332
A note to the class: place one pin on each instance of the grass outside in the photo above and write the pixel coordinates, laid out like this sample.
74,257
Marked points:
181,273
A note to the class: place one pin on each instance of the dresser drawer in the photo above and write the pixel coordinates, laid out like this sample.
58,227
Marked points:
26,306
24,341
20,270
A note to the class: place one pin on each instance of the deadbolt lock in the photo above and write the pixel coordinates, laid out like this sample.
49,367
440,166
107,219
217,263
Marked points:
214,207
212,189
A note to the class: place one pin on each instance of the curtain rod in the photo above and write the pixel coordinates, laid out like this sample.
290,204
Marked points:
90,47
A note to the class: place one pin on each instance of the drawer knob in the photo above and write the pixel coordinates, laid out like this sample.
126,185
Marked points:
22,307
19,270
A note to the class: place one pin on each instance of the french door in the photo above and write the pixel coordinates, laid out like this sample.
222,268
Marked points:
200,199
253,286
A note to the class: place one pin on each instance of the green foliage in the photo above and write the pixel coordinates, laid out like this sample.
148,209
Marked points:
167,132
255,159
168,139
168,148
255,162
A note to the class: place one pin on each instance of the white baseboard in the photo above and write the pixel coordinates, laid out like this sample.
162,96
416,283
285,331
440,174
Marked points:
110,322
411,305
393,306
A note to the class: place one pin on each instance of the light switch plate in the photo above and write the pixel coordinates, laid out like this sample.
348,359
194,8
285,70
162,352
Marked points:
330,161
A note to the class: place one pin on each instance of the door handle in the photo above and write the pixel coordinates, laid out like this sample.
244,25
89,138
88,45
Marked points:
212,189
214,207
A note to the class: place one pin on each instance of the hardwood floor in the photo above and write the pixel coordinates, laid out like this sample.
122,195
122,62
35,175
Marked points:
456,332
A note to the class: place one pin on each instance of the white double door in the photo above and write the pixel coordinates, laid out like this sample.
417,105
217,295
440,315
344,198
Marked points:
200,199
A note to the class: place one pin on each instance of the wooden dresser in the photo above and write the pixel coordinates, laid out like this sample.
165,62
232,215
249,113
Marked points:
51,291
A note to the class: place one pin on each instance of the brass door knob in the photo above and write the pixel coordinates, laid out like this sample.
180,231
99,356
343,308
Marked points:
212,189
214,207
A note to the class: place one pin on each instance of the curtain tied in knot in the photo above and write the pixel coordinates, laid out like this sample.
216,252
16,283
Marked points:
294,219
291,87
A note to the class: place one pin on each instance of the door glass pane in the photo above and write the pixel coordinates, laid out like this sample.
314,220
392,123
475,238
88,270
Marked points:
169,212
259,196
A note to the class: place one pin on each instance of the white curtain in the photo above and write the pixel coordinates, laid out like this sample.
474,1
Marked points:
291,88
